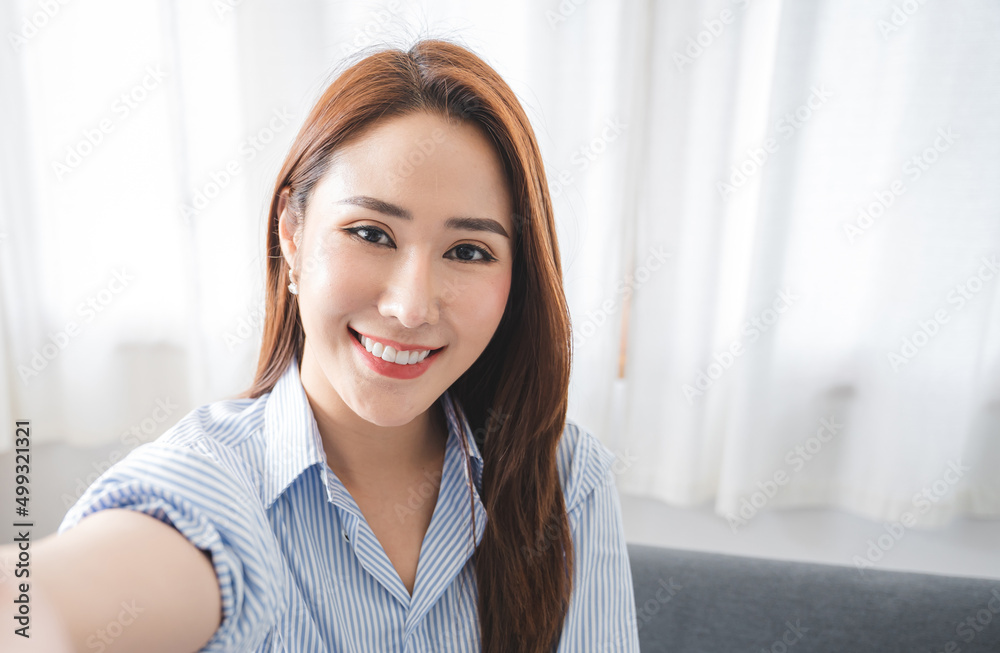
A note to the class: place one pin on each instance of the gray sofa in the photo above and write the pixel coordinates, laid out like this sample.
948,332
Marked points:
696,602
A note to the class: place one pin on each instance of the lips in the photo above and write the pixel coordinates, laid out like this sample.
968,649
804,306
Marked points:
390,369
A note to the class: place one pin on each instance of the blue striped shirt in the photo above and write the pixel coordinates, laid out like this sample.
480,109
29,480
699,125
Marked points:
299,568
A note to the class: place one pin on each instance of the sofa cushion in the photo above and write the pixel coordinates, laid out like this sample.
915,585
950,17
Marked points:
698,602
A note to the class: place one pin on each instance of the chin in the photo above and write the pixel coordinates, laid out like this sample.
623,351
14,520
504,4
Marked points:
384,409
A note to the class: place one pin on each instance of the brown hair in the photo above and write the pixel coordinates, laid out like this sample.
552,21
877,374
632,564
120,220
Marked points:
524,564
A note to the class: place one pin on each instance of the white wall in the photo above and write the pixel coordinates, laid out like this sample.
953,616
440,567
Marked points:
965,548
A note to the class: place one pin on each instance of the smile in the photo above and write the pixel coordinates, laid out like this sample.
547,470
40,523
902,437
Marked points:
390,354
388,361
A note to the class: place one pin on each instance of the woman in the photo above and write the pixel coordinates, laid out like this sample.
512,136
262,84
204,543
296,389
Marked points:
401,476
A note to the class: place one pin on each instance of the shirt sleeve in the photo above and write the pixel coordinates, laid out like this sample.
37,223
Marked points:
200,491
601,616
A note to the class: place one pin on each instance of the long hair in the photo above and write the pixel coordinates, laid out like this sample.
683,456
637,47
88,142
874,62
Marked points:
524,563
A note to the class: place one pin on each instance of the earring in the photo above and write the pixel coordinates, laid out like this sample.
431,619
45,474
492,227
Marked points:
292,287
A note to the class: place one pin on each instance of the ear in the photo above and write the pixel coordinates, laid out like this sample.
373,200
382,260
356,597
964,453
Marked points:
289,229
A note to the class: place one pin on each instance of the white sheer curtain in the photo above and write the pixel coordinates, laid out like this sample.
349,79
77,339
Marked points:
709,163
827,329
116,304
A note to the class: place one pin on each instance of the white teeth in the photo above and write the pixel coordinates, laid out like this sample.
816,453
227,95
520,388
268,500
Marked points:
389,354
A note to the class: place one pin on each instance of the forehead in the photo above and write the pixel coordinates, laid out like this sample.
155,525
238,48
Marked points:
427,164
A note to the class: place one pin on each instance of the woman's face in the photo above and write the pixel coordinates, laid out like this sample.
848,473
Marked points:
407,239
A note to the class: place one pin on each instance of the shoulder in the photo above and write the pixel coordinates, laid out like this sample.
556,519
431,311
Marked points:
207,460
227,433
584,462
228,424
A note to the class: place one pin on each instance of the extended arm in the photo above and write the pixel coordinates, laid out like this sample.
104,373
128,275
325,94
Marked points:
120,580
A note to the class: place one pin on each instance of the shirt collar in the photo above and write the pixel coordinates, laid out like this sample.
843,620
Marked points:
294,443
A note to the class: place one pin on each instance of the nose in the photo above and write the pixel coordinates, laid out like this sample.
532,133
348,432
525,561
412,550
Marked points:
410,294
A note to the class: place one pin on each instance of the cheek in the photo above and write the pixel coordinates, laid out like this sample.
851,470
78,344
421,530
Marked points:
333,281
480,307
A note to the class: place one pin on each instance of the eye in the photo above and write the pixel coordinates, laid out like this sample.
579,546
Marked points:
357,231
486,257
373,235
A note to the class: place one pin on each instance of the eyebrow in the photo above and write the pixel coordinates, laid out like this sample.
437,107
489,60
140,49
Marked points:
465,223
